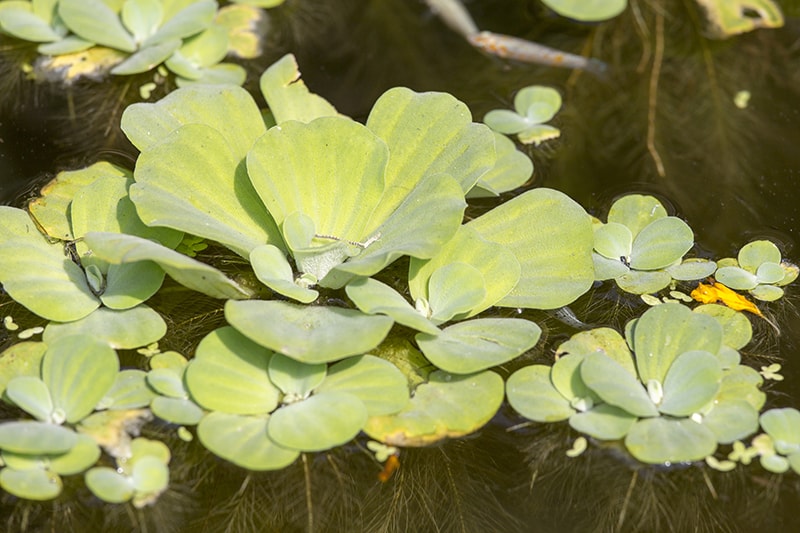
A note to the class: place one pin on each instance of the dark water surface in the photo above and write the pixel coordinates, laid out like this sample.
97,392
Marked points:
730,173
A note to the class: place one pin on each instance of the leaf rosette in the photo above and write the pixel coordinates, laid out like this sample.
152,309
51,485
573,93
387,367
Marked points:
672,396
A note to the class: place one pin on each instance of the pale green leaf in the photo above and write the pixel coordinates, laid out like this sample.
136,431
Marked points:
309,334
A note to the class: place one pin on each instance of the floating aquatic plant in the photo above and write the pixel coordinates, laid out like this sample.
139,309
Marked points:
641,247
189,37
60,386
533,106
591,11
677,393
759,270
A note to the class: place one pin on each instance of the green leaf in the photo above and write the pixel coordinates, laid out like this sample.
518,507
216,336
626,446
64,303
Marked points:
296,380
531,393
244,441
35,438
26,25
31,395
207,48
318,423
498,266
303,168
636,211
192,181
142,17
447,406
555,260
273,270
128,285
538,133
770,273
643,282
124,249
455,289
374,297
587,10
512,169
691,383
53,207
220,74
692,269
192,19
737,330
736,278
731,421
147,58
767,293
129,391
177,410
478,344
150,477
374,381
428,134
615,385
167,382
604,422
742,383
670,440
229,373
78,370
36,484
537,103
38,274
783,425
754,254
506,121
122,330
20,359
666,331
94,21
613,241
661,243
605,268
109,485
565,376
309,334
425,220
605,340
287,95
231,111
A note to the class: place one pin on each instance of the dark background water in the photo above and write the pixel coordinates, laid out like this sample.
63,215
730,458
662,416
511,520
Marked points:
730,173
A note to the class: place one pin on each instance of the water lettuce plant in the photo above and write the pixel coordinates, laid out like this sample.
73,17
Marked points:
758,269
641,248
188,37
533,106
364,299
672,390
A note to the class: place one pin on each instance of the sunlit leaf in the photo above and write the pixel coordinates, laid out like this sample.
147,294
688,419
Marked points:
670,440
229,373
243,440
79,370
123,330
475,345
446,406
531,393
310,334
318,423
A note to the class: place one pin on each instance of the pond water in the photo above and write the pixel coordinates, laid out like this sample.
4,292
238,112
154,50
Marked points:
730,173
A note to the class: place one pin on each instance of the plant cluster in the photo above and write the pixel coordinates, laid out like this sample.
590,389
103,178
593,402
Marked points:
319,206
189,37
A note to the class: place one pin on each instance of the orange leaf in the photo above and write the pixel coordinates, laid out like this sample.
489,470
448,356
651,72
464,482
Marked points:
392,464
709,294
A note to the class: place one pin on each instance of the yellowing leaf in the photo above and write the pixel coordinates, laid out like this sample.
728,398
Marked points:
709,294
